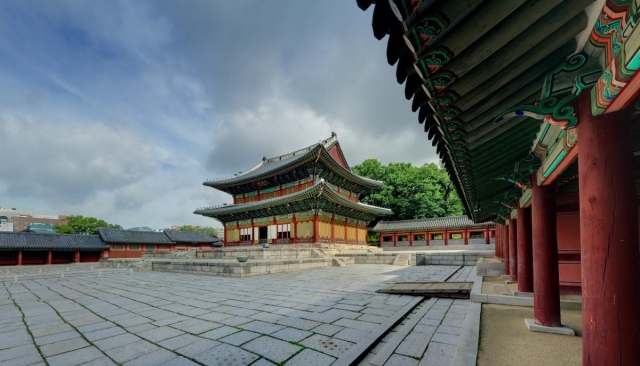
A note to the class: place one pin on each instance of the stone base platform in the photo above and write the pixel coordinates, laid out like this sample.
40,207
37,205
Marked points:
255,267
431,258
284,251
535,327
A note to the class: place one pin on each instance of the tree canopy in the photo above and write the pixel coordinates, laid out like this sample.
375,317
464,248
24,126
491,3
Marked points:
205,229
83,225
411,192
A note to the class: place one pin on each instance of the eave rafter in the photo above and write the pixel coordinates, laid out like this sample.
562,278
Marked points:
466,62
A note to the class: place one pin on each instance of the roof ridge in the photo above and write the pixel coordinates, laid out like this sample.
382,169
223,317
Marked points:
326,142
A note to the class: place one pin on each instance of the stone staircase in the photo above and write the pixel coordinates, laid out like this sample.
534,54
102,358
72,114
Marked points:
402,260
339,262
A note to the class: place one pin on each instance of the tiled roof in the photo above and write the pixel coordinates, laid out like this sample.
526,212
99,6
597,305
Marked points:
321,186
190,237
133,237
452,222
275,164
50,241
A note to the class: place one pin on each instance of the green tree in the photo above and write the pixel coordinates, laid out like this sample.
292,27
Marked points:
204,229
83,225
411,192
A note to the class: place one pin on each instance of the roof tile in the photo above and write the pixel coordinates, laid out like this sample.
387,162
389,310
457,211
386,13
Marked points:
436,223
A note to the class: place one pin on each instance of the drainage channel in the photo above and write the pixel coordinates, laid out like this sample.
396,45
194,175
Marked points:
360,350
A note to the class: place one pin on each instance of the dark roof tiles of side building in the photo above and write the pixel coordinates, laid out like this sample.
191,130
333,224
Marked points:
11,240
190,237
133,237
451,222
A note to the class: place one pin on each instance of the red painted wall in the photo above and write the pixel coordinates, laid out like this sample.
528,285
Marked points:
568,236
336,155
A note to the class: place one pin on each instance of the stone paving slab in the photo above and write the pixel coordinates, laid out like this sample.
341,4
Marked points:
155,318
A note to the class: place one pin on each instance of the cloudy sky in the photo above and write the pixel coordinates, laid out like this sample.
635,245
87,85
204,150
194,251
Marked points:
121,109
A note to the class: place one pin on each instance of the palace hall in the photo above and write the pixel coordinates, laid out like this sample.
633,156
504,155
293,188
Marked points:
307,196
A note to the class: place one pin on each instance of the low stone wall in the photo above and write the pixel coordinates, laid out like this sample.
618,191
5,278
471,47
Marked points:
136,264
257,253
466,248
284,251
177,254
247,269
449,259
489,267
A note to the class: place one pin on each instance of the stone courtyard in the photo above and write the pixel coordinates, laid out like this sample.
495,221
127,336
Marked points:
311,317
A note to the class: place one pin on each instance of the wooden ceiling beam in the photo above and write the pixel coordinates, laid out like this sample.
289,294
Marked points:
535,76
525,19
494,130
487,128
554,25
512,100
547,52
484,17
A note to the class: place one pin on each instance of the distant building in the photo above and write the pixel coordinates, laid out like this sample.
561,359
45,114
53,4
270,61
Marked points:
38,223
22,220
5,226
141,228
307,196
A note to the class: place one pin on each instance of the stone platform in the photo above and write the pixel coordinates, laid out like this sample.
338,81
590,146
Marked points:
253,267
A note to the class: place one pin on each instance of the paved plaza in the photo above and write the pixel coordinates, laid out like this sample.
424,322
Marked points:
153,318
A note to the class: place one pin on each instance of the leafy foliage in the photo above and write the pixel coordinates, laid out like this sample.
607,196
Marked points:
205,229
411,192
83,225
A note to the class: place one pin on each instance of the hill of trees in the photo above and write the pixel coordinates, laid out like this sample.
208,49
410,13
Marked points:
411,192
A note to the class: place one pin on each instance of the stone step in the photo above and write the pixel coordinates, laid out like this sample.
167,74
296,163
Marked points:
402,260
339,262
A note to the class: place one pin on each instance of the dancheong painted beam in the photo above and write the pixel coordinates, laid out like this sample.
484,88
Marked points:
511,94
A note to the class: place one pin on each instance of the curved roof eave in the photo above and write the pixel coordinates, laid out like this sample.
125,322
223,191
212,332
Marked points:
311,151
321,185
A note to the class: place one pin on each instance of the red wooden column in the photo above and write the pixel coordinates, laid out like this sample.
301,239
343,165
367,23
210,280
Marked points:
333,235
546,288
19,260
505,248
513,249
525,250
609,239
316,229
497,248
76,256
395,239
446,237
293,228
357,241
49,256
346,237
487,236
224,239
427,237
465,234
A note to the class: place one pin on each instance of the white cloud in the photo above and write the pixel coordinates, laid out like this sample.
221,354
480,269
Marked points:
120,109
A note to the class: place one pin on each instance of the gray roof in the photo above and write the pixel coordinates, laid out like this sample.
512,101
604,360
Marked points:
133,237
190,237
273,164
437,223
304,194
22,240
